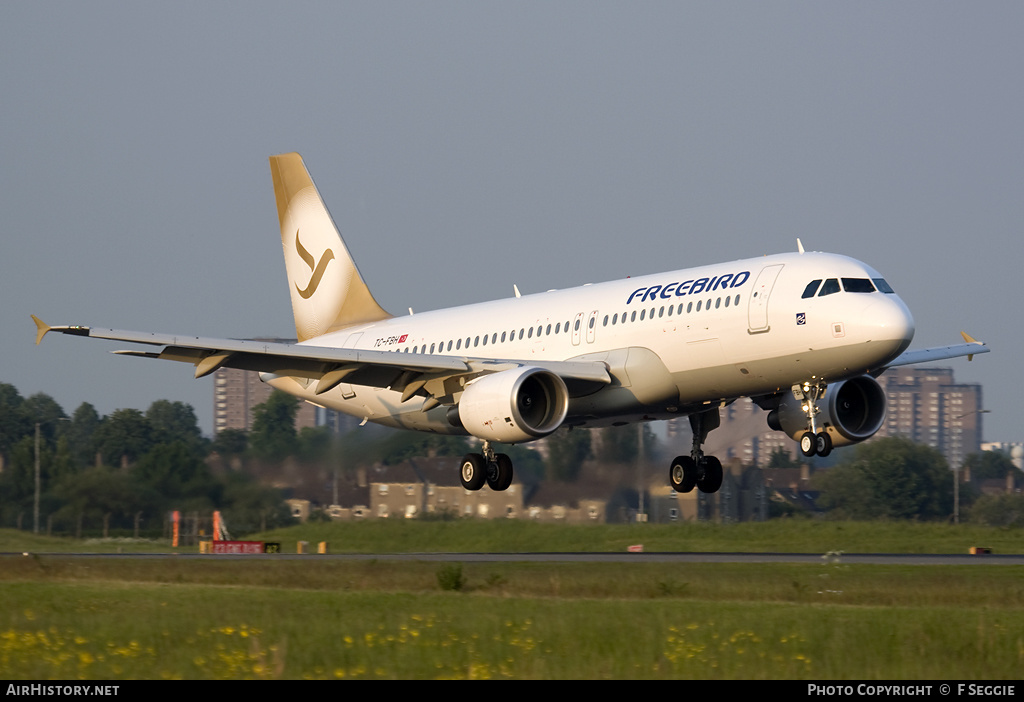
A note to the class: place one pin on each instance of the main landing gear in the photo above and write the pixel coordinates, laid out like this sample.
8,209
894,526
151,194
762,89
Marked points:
812,442
698,470
489,467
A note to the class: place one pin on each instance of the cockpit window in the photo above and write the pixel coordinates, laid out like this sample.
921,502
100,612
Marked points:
812,287
858,285
830,287
883,286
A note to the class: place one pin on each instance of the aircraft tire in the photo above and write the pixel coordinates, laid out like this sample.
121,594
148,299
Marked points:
823,444
711,479
682,474
500,477
473,471
808,444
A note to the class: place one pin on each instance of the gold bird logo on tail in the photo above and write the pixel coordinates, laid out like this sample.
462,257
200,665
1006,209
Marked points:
318,271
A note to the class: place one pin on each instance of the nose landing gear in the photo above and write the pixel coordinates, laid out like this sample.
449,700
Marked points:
812,442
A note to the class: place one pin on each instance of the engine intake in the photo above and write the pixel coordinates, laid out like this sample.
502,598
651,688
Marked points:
514,405
850,411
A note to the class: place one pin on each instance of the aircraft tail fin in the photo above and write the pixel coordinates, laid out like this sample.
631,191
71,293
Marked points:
327,291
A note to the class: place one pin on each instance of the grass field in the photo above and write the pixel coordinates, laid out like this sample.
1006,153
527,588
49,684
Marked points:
65,618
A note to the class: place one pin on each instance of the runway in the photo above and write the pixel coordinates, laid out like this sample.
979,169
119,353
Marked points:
663,557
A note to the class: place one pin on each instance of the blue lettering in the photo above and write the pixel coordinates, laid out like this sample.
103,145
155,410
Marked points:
635,293
651,294
689,287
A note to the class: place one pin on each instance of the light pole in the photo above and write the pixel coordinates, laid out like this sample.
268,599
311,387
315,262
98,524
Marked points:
35,503
956,472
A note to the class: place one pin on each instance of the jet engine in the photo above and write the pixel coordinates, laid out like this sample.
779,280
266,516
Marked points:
850,411
513,405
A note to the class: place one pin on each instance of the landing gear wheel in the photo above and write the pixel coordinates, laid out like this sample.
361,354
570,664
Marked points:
682,474
823,444
473,471
808,444
710,479
499,473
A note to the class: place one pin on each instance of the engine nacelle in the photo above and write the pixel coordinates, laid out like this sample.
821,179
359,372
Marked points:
514,405
850,411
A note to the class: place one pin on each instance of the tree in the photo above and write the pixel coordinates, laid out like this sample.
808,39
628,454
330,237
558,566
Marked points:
273,435
81,433
14,424
891,478
178,474
619,444
567,449
230,442
987,465
175,422
124,437
1004,511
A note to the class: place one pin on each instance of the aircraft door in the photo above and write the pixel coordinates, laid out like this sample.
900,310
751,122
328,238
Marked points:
757,311
577,326
592,327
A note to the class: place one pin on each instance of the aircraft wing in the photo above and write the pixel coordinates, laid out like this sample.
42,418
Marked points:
409,372
940,353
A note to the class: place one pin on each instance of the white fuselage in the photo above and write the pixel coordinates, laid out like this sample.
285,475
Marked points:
673,342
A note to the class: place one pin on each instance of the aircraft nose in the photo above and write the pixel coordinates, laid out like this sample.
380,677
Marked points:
890,321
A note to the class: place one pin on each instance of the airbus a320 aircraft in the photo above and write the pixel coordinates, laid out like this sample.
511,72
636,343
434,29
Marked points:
803,335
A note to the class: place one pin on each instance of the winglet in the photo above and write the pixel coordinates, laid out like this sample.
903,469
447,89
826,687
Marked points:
970,340
41,329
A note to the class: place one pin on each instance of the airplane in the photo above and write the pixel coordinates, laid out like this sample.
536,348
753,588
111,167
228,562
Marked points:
803,335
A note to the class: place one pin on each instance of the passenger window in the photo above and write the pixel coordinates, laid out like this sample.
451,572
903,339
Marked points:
642,313
812,287
830,287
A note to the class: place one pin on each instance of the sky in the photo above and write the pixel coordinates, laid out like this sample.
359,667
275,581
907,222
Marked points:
466,147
